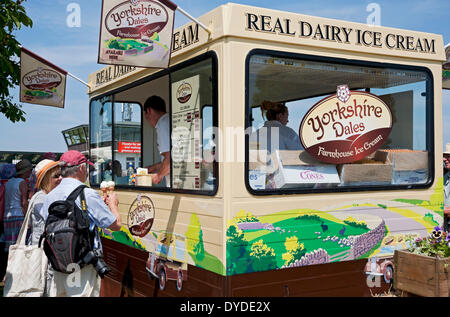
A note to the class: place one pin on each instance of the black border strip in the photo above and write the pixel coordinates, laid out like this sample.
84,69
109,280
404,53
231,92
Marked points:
430,138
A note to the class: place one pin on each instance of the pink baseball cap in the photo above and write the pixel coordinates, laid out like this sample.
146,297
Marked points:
73,158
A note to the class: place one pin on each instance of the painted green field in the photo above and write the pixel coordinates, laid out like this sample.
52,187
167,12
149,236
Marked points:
311,232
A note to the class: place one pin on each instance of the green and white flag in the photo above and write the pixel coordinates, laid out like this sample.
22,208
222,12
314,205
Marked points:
136,32
41,82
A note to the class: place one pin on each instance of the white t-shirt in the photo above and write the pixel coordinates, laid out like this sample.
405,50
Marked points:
163,139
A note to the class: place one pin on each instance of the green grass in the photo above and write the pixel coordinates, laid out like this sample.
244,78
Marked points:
209,262
417,202
306,231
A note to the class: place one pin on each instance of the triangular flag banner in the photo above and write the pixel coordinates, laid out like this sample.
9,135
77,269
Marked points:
41,82
136,32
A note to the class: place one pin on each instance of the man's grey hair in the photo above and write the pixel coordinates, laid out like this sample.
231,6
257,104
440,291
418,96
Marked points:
67,171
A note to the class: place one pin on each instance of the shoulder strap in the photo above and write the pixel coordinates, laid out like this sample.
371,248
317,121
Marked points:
83,200
23,230
74,195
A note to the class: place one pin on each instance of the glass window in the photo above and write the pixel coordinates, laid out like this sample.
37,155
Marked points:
144,138
82,135
127,142
318,125
67,137
101,138
193,150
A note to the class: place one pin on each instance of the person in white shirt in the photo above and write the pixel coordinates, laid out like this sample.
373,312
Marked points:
275,135
102,213
156,115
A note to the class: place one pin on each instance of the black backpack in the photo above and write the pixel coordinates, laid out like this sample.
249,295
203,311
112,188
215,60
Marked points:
67,238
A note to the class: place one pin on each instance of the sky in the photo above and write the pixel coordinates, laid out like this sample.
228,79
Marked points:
72,45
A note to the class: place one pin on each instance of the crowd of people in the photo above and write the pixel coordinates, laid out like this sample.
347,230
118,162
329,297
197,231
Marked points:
25,188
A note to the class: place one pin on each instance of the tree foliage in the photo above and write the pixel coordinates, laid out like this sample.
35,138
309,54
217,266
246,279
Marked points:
12,18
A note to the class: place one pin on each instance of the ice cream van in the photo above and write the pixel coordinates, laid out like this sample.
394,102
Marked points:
301,149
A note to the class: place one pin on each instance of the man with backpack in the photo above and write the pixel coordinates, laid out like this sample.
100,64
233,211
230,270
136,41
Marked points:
74,200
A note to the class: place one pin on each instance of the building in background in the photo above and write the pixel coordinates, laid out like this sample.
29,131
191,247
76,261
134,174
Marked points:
77,138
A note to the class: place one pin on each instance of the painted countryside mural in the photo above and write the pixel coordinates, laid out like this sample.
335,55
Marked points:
301,237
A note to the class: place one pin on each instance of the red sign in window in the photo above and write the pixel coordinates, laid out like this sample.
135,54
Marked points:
129,147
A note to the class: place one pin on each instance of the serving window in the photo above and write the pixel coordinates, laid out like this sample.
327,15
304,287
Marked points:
318,124
183,129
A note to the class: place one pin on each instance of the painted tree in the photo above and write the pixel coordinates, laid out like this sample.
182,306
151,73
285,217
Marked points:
12,18
263,257
194,236
243,216
238,256
294,249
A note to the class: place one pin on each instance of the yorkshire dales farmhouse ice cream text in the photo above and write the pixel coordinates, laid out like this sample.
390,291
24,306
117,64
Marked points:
346,127
136,33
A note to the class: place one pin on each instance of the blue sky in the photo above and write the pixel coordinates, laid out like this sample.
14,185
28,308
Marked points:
75,49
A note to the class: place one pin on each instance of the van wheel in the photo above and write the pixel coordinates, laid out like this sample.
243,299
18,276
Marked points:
180,281
162,279
388,274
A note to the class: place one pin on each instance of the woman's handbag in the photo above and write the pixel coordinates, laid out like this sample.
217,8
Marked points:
27,265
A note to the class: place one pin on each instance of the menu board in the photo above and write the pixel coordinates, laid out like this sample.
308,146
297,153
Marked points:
186,154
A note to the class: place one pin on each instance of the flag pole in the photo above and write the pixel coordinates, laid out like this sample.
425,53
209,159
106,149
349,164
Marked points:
194,19
81,81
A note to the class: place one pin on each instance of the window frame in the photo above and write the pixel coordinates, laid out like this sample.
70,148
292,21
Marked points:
429,121
167,72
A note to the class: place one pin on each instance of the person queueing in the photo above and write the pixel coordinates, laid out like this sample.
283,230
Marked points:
16,203
48,176
74,170
7,171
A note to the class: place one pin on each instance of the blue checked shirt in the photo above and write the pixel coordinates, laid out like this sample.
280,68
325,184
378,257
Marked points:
98,211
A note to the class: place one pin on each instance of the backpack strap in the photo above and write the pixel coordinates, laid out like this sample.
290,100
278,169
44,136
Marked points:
74,195
91,235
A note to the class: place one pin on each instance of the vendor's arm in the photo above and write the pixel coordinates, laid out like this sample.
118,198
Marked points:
164,170
154,168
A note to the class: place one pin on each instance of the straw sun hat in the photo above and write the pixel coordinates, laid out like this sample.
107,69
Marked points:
42,168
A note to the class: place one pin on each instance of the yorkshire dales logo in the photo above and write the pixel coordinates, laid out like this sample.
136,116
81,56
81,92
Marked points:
41,79
141,216
136,19
345,127
184,93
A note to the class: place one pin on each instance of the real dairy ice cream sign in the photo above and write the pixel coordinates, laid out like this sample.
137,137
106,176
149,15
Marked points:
136,32
345,127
